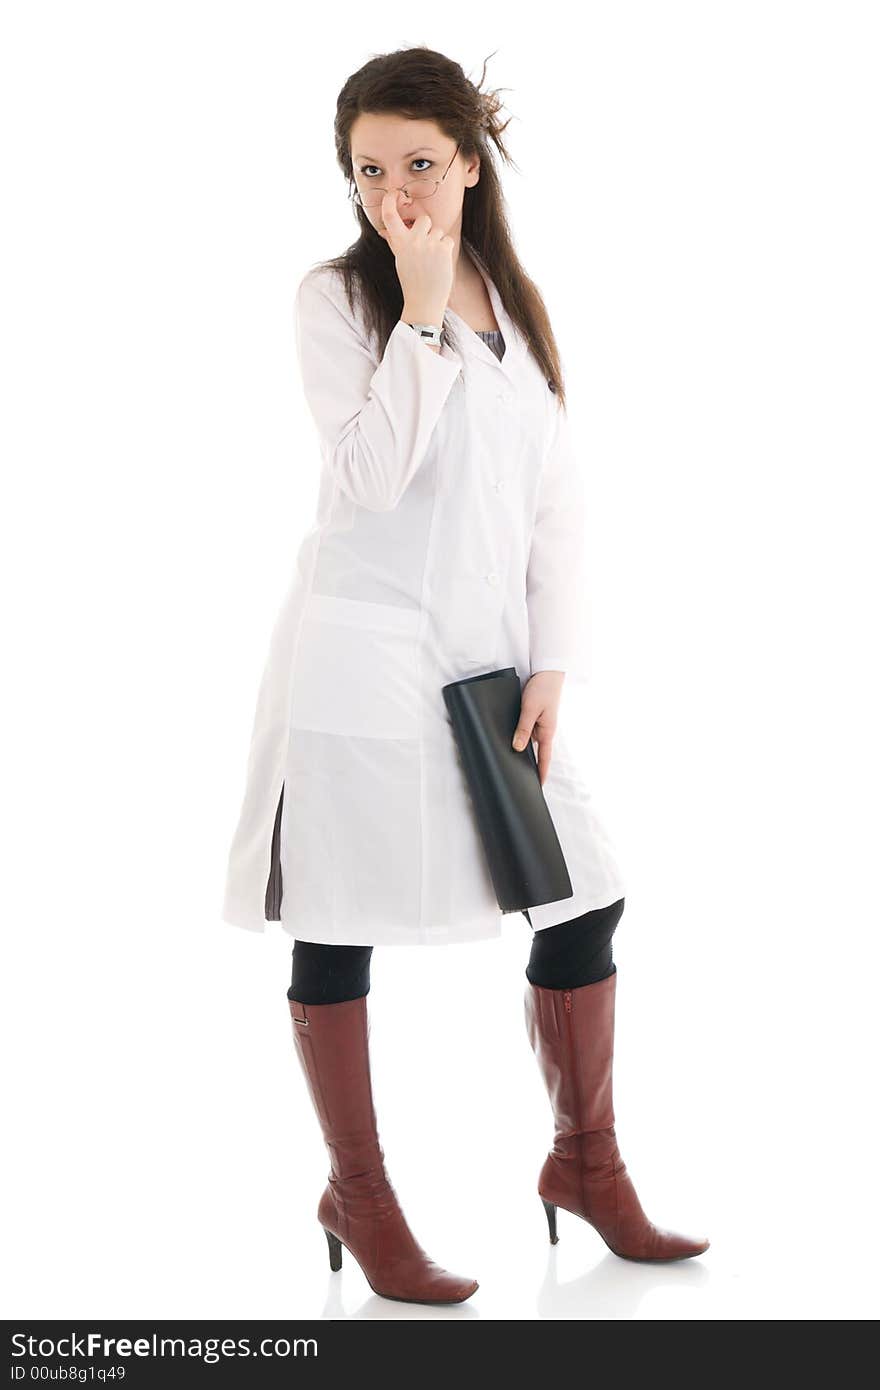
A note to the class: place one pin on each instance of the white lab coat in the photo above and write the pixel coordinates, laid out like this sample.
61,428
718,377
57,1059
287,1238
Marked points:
448,541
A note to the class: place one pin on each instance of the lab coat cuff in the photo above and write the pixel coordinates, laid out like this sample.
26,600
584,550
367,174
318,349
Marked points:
446,369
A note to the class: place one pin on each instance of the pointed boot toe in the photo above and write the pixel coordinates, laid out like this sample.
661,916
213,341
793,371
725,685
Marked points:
660,1244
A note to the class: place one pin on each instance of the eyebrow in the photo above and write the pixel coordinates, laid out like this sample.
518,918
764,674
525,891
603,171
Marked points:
374,160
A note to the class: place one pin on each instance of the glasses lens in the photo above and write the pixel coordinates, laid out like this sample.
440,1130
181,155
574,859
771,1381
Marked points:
419,188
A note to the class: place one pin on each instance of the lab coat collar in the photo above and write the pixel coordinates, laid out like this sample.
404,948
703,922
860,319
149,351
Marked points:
469,344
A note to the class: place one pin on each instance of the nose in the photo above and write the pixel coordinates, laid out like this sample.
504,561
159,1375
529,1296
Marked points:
404,206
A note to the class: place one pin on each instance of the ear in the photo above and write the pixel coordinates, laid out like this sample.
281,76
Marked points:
472,173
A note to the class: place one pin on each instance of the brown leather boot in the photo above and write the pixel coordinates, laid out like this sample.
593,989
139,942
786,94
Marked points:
359,1207
572,1034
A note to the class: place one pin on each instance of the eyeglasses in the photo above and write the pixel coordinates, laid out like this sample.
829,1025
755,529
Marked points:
416,188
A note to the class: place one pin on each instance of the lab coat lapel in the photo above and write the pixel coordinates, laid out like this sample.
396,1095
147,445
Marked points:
515,345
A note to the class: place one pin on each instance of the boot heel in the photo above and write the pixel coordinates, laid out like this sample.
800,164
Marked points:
550,1209
335,1247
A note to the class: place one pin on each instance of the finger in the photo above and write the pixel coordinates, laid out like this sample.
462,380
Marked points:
423,226
391,217
523,731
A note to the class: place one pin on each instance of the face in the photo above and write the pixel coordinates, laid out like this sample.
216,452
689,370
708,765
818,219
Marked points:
389,150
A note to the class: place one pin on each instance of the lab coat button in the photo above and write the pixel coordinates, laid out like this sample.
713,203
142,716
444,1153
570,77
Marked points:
499,486
492,577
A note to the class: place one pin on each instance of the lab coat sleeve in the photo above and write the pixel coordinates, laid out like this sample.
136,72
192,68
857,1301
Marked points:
375,421
556,570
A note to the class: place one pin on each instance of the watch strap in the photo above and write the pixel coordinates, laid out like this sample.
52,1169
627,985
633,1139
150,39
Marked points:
429,332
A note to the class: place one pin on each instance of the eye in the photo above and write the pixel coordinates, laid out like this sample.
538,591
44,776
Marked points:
422,159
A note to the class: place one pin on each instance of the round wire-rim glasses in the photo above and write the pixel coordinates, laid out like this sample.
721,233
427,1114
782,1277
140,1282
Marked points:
412,184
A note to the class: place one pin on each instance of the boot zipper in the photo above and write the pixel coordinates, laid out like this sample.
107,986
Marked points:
566,999
566,996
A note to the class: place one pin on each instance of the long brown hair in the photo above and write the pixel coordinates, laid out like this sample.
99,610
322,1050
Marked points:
420,83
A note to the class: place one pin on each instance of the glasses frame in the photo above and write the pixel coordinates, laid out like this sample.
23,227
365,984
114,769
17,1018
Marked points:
354,193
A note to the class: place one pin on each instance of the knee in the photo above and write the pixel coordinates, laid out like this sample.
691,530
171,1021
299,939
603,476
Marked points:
324,973
575,953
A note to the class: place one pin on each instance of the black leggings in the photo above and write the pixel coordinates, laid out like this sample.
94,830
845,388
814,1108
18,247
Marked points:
566,956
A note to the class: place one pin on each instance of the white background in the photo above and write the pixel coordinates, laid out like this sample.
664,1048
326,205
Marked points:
697,198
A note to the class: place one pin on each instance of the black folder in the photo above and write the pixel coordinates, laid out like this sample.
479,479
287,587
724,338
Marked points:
522,848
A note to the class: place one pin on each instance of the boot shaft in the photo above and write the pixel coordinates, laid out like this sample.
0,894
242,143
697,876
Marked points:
332,1043
571,1032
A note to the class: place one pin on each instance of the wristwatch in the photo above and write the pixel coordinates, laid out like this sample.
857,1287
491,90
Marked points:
427,331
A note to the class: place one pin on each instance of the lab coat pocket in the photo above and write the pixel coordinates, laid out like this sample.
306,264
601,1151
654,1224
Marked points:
357,669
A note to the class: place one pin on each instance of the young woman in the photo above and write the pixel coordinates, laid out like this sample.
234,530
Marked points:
448,541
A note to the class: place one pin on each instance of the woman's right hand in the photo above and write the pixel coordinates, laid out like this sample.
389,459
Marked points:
423,256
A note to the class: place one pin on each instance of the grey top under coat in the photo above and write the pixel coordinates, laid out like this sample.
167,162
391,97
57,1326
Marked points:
492,337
